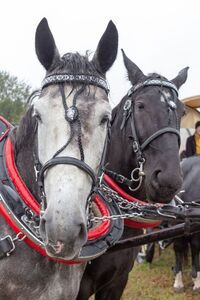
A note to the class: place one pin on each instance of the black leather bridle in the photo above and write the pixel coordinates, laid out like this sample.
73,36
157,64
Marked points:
72,118
137,147
128,112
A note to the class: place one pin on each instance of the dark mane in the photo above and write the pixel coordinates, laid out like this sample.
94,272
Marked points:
74,63
23,135
23,139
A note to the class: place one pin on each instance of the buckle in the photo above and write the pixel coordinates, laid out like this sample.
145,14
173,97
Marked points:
127,105
135,146
9,241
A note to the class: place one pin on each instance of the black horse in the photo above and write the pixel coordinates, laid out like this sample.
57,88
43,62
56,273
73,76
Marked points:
191,184
142,134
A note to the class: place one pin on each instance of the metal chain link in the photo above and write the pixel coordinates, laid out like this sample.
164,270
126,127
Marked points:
135,210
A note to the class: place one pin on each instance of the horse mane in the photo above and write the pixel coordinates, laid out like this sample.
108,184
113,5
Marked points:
75,63
23,135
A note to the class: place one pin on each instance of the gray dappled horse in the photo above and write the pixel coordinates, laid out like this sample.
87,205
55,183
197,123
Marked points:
146,115
191,184
45,131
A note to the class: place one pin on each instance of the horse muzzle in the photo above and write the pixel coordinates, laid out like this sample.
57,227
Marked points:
63,241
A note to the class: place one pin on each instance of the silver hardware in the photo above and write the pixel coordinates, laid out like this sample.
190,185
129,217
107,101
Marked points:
72,114
165,215
140,177
171,104
90,79
153,82
12,243
135,146
127,105
130,209
19,237
36,172
178,199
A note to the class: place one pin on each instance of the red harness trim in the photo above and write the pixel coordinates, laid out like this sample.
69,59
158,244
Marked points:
19,184
131,223
8,128
31,202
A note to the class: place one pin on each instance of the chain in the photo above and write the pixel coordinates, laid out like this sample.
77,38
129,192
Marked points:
147,211
32,221
135,210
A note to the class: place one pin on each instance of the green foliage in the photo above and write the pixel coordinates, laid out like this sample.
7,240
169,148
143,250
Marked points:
13,94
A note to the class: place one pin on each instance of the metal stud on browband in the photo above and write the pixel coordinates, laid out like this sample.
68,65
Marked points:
153,82
89,79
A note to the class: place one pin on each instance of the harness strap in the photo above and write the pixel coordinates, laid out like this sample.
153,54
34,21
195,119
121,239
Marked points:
153,82
67,160
6,246
159,133
63,160
89,79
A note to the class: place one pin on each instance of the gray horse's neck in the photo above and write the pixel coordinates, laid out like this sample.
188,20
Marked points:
39,277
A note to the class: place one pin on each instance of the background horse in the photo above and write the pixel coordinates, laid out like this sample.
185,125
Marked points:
152,108
191,184
47,131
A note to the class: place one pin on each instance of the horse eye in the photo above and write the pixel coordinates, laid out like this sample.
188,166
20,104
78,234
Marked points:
140,105
105,120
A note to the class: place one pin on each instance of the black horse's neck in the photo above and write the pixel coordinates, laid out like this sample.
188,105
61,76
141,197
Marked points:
120,156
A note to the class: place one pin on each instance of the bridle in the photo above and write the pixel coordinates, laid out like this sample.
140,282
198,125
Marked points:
73,119
138,173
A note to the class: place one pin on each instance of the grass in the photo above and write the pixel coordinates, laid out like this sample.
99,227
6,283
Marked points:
155,282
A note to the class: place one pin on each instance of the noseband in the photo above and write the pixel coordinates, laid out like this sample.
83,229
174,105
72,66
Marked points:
138,174
72,118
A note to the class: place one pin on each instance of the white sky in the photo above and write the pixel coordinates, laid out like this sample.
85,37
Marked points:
159,36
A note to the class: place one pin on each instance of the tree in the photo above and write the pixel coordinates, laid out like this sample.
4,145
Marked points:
13,95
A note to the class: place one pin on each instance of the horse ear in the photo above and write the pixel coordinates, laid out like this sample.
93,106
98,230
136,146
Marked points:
106,51
134,73
181,77
45,46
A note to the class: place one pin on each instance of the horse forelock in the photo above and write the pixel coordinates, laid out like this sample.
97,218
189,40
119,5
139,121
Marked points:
75,64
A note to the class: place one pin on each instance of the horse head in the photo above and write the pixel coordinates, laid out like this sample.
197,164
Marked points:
69,126
149,132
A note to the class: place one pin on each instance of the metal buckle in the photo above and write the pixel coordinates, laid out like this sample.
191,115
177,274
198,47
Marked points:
121,178
127,105
135,146
11,242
